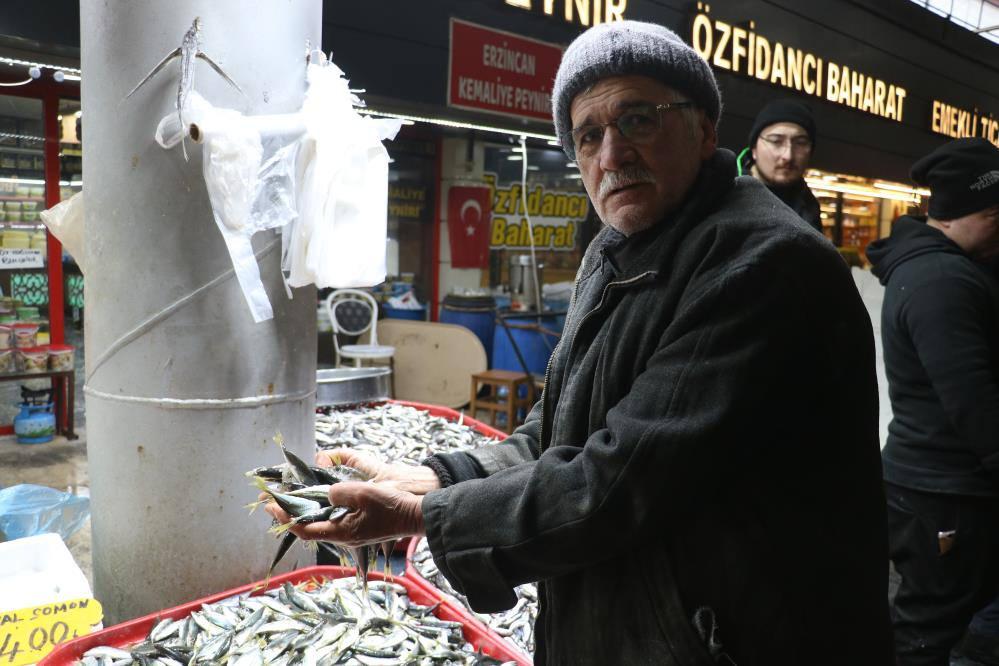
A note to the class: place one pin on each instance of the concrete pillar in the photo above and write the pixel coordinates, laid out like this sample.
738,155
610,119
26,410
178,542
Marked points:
184,391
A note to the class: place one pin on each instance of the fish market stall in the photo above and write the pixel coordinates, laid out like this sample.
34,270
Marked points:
313,615
226,205
410,432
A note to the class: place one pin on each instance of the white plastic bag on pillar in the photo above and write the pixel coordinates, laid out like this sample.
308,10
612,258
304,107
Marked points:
321,174
340,235
248,193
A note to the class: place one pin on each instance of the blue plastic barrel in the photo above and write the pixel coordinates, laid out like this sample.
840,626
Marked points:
535,347
419,314
476,313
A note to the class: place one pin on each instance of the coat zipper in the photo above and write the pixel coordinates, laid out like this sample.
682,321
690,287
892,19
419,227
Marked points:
548,368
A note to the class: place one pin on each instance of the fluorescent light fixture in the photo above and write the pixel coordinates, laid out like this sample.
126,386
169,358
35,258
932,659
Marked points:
515,158
575,175
531,167
554,142
572,165
903,188
825,187
71,77
444,122
22,181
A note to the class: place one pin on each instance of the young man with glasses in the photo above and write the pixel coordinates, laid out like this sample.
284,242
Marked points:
679,490
780,148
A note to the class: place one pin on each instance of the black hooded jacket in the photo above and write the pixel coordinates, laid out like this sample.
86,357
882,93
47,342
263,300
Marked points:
940,327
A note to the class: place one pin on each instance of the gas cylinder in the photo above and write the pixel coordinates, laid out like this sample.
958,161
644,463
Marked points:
36,422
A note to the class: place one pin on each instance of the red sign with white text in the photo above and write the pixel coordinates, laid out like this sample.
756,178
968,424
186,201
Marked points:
500,72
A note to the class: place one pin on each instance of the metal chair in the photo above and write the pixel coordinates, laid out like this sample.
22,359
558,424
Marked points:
353,312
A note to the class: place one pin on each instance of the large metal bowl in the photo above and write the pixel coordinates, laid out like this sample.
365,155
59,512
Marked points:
351,386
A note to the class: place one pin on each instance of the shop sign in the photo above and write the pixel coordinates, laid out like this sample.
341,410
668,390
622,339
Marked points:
500,72
406,202
960,123
555,217
578,11
744,51
20,258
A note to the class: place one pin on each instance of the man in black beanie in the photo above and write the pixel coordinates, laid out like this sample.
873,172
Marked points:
940,327
780,147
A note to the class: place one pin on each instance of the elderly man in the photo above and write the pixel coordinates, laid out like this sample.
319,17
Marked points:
781,144
940,325
700,481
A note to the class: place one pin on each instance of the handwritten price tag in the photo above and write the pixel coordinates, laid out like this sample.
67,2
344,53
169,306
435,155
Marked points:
28,634
21,258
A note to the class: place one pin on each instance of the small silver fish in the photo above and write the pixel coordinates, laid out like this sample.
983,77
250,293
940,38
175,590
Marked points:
188,52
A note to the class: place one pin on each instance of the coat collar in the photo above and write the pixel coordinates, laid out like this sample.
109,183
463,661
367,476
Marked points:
716,178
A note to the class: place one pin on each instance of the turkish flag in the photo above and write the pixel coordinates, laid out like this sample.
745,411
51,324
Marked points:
469,217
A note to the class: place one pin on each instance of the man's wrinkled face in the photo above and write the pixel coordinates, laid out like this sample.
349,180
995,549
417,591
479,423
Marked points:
634,182
782,152
977,234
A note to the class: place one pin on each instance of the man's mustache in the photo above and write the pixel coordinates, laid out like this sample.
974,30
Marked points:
629,175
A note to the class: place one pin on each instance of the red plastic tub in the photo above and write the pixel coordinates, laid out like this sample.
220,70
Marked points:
417,579
454,415
136,630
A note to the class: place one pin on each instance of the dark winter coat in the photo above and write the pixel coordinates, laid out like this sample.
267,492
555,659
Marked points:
940,328
706,445
800,199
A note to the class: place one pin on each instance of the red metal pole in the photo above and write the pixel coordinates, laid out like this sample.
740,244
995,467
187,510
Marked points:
436,250
50,111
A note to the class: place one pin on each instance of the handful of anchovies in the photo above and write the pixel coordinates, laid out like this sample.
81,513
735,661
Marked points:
309,625
515,625
302,491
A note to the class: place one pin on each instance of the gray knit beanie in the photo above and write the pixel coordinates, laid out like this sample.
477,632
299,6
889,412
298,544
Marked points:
621,48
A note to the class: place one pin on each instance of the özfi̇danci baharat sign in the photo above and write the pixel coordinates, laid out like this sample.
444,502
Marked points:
746,51
555,216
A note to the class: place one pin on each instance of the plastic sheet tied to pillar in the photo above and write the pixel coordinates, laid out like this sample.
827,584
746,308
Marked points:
320,174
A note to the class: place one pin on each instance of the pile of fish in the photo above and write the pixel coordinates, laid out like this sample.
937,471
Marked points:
395,433
399,433
516,624
309,625
302,490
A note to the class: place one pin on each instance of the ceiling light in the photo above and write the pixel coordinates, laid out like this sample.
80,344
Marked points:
444,122
32,64
903,188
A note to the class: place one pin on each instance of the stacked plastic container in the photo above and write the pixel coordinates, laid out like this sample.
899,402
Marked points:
24,342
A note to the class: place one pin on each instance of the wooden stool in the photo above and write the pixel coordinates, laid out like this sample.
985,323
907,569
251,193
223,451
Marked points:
494,403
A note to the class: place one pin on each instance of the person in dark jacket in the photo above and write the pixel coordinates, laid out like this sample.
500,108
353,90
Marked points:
940,328
780,148
679,491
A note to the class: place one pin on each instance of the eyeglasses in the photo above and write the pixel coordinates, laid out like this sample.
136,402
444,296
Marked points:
638,124
778,142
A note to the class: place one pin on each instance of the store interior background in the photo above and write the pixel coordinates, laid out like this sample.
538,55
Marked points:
400,59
